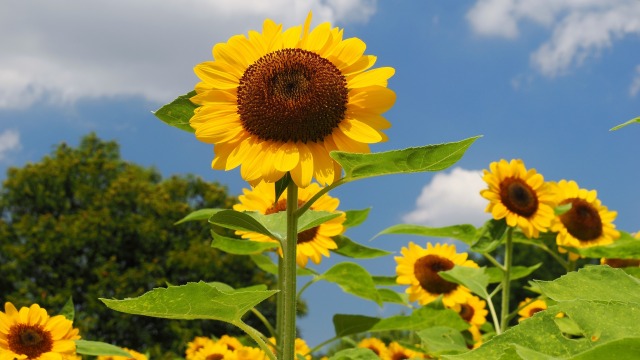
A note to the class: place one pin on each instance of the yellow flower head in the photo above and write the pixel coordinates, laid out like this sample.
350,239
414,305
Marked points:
250,353
312,243
230,342
198,343
134,356
280,101
376,345
31,334
215,351
586,223
528,308
474,311
397,351
300,346
519,195
476,335
418,267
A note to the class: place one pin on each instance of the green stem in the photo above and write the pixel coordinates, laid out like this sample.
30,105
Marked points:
302,289
288,281
546,249
257,337
493,261
506,280
265,322
494,316
317,196
322,344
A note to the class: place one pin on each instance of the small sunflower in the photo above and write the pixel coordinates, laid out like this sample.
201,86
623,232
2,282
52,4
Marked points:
476,335
374,344
312,243
134,356
280,101
250,353
198,343
395,351
215,351
230,342
301,348
32,335
474,311
622,263
419,267
528,308
586,223
519,195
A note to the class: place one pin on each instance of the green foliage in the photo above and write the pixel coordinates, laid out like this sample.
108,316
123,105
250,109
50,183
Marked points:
86,347
617,127
178,112
84,224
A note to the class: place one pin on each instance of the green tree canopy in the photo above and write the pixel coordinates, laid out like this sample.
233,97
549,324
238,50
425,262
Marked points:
83,223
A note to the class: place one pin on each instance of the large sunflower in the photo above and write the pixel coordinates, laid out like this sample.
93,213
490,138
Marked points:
280,101
418,267
519,195
586,223
31,334
312,243
374,344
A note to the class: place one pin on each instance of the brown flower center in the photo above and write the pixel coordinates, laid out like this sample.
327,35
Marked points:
215,357
304,236
582,220
621,263
292,95
466,312
399,356
374,349
518,197
30,340
534,310
426,270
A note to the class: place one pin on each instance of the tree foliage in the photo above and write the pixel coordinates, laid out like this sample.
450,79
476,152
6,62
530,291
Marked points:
85,224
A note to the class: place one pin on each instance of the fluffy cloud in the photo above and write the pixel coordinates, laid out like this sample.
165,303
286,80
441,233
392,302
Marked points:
70,49
580,28
9,141
635,84
449,199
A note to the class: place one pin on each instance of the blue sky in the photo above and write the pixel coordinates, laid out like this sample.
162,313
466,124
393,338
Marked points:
541,80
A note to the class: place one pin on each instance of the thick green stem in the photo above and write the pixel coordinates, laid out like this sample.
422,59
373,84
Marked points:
506,280
288,278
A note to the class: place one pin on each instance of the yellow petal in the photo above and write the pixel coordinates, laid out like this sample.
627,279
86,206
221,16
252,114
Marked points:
376,99
347,53
373,77
286,157
347,144
359,131
303,172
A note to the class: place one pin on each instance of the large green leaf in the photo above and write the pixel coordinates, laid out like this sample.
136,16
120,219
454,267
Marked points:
240,246
355,354
97,348
489,236
178,112
636,120
419,159
244,221
349,248
192,301
475,279
625,247
440,340
465,232
422,318
353,279
201,214
347,324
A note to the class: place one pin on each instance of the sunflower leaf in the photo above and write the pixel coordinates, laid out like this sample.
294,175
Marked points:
281,185
178,112
97,348
201,214
353,279
475,279
617,127
240,246
440,340
464,232
385,280
355,217
489,236
349,248
348,324
517,272
625,247
355,354
411,160
192,301
68,311
390,296
244,221
422,318
311,218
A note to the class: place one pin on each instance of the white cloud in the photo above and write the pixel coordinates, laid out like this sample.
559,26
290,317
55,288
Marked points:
635,84
451,198
70,49
9,141
579,28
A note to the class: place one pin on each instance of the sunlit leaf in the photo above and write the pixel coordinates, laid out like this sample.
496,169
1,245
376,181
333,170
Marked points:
411,160
244,221
355,354
465,232
385,280
489,236
440,340
355,217
617,127
517,272
192,301
312,218
240,246
422,318
201,214
625,247
178,112
349,248
97,348
475,279
390,296
353,279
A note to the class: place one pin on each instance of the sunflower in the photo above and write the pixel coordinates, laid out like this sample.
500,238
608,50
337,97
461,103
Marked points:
312,243
529,307
587,223
300,346
230,342
374,344
134,356
476,335
31,334
280,101
215,351
474,311
419,267
519,195
198,343
399,352
250,353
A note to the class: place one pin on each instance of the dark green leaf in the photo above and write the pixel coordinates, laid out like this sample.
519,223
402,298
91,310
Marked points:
475,279
517,272
390,296
625,247
178,112
355,354
282,184
489,236
385,280
440,340
348,248
245,221
355,217
68,310
617,127
97,348
240,246
201,214
411,160
463,232
353,279
312,218
422,318
347,324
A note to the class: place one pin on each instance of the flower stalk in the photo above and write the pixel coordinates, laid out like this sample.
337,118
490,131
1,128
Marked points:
506,281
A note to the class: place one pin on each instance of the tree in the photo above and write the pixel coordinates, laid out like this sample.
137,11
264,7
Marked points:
83,223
